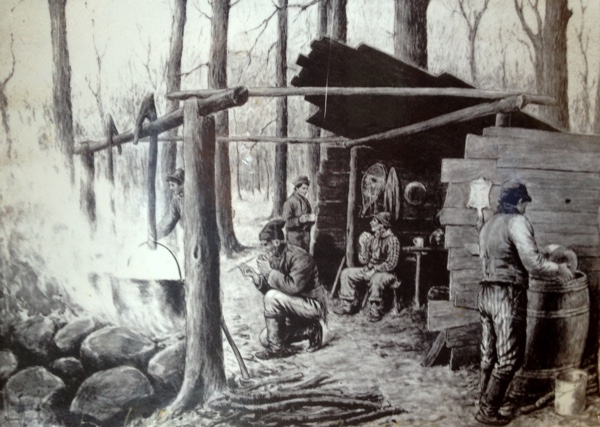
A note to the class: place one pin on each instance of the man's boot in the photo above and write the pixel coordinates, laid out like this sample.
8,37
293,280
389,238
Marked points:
483,382
346,307
314,334
375,312
491,402
276,347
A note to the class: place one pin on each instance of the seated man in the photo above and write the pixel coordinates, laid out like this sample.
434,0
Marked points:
294,301
379,253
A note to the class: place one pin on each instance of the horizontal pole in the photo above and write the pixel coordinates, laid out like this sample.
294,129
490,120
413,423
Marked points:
512,103
259,138
220,101
350,91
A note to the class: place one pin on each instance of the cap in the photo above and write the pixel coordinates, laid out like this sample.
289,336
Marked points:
383,217
512,191
272,231
178,176
302,179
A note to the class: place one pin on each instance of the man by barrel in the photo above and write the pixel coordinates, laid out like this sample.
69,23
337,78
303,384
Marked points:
509,254
294,299
378,252
297,214
173,215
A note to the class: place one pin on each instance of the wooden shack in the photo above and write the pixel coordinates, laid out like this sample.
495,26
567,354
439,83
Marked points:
562,175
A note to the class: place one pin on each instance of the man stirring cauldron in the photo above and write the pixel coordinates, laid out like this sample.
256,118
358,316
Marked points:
508,254
173,215
294,301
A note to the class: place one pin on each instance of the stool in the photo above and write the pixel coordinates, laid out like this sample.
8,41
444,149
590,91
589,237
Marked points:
394,287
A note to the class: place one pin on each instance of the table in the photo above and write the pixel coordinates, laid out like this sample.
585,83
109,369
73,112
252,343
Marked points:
418,252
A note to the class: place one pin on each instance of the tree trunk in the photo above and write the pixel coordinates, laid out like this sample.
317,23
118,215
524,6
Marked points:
596,121
204,372
280,176
314,150
218,79
339,20
61,76
554,78
168,151
237,170
410,31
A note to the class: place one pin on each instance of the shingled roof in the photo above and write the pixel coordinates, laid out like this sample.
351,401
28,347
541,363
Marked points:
334,64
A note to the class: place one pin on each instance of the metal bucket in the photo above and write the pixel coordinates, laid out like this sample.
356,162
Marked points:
569,392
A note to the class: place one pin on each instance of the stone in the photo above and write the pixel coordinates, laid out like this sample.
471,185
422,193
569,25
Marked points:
32,340
69,369
33,387
8,365
114,346
69,338
166,368
107,394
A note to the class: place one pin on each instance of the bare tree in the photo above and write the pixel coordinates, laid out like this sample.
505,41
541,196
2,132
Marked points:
4,99
61,75
472,17
596,121
339,20
96,89
410,31
218,79
280,176
314,150
168,153
549,40
584,107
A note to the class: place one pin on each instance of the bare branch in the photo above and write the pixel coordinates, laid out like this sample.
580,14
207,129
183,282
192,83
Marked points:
303,7
187,73
262,130
13,63
264,25
519,7
528,46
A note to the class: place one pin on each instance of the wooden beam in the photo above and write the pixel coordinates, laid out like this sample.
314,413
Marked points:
369,91
225,99
88,193
509,104
352,207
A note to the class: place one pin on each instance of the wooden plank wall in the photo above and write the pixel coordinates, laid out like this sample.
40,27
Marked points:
562,174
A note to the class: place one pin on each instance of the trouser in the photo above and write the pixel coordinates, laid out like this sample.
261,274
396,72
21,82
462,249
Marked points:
353,278
292,313
502,308
299,238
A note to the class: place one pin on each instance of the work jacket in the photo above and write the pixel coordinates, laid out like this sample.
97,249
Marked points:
380,252
508,251
294,207
173,215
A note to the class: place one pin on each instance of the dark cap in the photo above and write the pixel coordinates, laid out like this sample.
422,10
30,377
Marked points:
384,218
512,191
178,176
302,179
272,231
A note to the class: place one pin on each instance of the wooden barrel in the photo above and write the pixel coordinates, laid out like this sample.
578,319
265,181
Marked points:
558,317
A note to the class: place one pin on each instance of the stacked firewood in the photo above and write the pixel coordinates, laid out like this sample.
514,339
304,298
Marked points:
293,400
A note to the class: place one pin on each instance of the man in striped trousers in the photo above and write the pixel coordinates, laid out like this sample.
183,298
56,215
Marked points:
509,254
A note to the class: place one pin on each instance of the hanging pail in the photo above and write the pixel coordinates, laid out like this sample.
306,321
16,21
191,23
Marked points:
569,392
558,317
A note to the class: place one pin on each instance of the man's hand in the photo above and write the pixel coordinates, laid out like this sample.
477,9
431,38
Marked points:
564,272
263,266
303,218
368,272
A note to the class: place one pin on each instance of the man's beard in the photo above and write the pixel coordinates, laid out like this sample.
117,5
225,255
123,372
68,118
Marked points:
274,255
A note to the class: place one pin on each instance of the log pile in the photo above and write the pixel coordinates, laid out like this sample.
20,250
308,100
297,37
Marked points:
293,400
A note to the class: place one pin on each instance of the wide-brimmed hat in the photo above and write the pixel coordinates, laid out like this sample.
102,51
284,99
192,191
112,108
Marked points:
512,191
272,231
384,218
178,176
302,179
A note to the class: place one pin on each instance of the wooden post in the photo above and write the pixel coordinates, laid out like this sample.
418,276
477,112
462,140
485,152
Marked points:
351,212
503,120
204,372
88,194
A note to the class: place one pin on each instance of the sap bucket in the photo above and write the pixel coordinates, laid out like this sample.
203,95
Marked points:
569,392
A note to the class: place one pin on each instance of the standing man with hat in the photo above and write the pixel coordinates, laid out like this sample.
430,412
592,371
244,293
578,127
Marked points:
297,214
509,254
173,215
294,301
379,253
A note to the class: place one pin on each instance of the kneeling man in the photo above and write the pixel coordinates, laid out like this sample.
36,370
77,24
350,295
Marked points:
379,253
294,301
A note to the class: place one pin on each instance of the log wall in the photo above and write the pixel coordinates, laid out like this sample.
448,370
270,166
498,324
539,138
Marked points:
562,174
